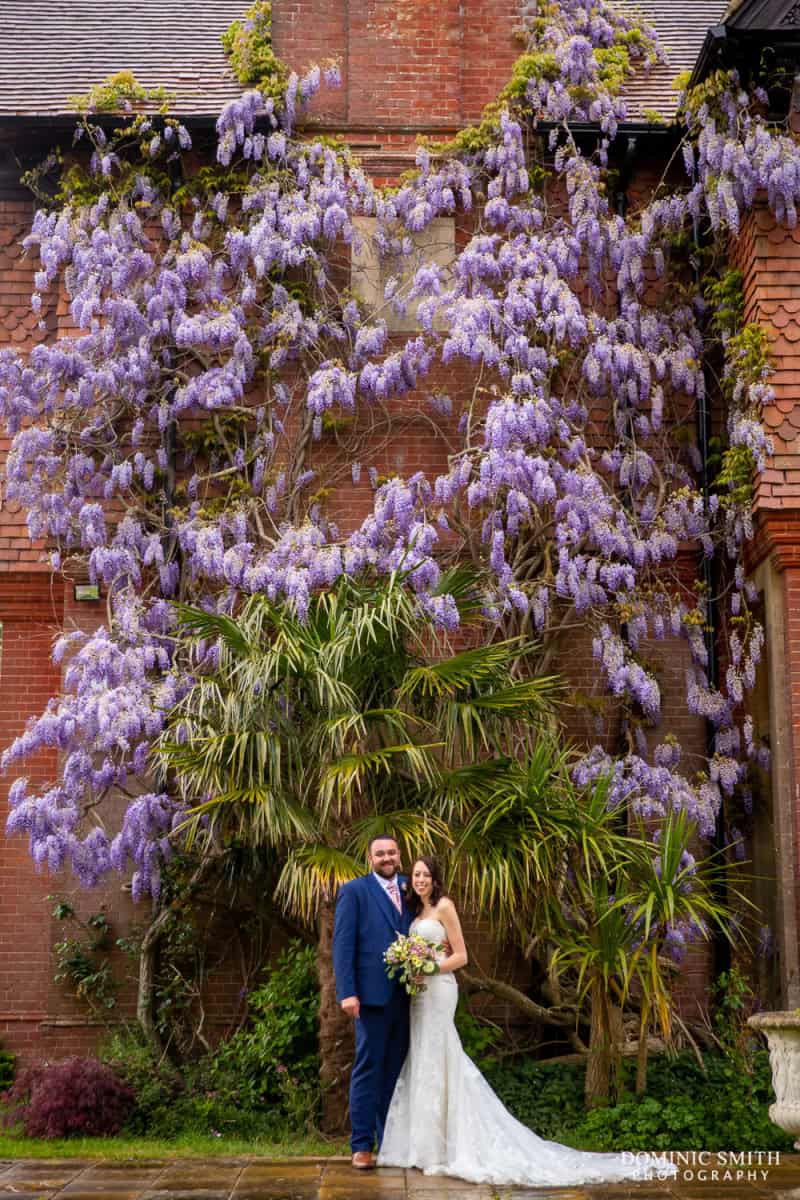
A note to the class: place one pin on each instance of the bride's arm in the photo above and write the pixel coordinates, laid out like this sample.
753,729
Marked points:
446,912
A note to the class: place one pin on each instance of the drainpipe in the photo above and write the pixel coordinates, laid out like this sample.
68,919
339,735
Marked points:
721,946
169,440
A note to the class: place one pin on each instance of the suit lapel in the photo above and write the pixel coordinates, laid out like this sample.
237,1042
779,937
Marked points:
394,917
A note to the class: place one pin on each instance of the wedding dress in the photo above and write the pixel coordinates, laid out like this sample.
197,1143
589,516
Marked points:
445,1119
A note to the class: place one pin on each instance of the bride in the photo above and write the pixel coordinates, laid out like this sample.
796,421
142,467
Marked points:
444,1118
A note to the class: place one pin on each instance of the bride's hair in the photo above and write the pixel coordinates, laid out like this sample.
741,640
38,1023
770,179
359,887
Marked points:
437,890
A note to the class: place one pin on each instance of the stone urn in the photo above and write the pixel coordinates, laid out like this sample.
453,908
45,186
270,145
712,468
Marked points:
782,1031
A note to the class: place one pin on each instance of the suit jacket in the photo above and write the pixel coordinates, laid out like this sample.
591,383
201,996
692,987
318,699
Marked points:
365,925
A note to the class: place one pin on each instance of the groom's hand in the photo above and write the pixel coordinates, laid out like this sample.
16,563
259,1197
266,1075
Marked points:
351,1005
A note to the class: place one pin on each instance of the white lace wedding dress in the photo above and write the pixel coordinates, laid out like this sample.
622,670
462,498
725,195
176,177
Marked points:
446,1120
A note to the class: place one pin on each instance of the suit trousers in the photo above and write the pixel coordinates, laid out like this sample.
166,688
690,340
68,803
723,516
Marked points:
381,1048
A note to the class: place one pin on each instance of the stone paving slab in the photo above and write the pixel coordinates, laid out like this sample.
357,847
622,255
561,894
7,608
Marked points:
334,1179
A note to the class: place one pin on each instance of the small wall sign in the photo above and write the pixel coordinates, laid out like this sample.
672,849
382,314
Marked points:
87,591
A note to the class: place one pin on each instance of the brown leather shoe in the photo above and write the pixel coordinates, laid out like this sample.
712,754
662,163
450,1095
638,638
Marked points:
363,1160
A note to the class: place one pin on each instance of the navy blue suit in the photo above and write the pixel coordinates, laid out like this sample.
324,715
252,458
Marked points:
367,922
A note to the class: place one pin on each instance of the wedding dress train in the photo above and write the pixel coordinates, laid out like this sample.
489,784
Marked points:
445,1119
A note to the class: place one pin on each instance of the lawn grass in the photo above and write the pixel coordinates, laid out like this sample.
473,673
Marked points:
188,1145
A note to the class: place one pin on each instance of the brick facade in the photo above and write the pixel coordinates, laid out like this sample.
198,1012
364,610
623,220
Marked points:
406,65
409,68
769,257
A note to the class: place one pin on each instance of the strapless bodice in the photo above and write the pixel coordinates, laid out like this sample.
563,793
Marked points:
430,928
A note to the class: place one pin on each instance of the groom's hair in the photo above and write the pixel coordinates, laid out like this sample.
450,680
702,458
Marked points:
382,837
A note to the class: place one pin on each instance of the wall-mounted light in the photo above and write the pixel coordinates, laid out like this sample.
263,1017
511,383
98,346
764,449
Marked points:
87,591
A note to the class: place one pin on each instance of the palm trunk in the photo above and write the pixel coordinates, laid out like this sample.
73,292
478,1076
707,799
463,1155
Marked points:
336,1043
603,1075
598,1072
641,1057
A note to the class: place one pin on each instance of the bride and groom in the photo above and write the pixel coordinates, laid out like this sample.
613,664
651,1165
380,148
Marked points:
413,1090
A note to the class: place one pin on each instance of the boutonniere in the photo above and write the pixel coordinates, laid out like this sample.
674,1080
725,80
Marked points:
403,887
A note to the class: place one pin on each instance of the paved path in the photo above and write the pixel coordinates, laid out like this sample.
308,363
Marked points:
333,1179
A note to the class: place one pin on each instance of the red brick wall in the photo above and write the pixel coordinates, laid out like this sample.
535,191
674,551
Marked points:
408,67
19,328
404,62
29,610
769,257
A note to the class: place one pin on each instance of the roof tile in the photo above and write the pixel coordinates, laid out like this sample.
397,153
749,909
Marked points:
681,26
52,49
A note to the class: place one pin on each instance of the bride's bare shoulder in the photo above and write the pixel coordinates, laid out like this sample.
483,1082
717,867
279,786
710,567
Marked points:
445,905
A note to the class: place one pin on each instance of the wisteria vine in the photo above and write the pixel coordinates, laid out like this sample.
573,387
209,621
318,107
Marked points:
167,447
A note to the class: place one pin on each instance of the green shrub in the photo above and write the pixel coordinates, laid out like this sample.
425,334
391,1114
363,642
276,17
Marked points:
156,1085
207,1114
274,1060
548,1098
263,1082
683,1108
171,1102
8,1067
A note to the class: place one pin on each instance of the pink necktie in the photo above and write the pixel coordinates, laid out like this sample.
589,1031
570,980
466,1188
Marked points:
395,894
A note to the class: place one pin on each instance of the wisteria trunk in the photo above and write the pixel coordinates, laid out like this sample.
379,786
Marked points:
145,1000
335,1035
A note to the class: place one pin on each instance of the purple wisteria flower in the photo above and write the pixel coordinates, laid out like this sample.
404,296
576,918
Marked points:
170,447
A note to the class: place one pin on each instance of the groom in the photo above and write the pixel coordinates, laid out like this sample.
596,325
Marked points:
370,912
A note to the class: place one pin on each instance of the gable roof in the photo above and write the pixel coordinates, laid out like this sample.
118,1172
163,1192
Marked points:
53,49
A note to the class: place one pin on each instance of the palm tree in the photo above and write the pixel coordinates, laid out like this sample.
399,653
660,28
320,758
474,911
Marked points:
671,890
588,889
309,736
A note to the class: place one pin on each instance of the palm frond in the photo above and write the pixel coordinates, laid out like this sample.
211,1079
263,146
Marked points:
469,670
257,815
458,792
417,832
343,781
668,887
357,724
465,586
312,875
214,761
521,701
211,626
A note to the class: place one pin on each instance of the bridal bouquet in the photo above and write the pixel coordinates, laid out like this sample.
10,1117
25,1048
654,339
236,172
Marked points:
410,956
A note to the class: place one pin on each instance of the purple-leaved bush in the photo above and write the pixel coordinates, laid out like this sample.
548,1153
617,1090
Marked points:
79,1097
